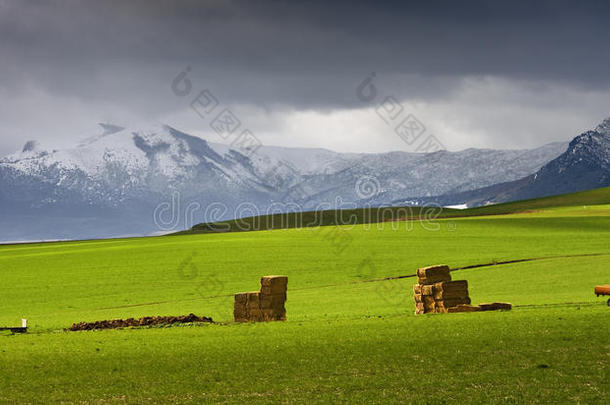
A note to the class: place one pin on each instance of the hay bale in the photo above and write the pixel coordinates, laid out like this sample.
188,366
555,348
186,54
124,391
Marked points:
433,271
268,314
495,306
241,297
272,301
452,302
431,310
274,280
451,289
253,300
430,307
424,304
463,308
455,285
255,315
433,274
274,315
273,289
240,307
274,284
427,289
267,304
433,279
252,296
417,289
240,312
450,295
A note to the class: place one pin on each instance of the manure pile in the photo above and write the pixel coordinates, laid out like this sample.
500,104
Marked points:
145,321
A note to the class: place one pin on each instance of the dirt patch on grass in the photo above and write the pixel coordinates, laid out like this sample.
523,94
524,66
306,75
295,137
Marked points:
145,321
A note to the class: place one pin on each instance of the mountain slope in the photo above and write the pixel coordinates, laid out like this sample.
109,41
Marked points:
140,181
584,165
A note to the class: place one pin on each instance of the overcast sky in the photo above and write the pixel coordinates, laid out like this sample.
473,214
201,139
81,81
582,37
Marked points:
475,74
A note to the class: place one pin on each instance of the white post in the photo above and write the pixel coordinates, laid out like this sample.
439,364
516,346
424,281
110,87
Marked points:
24,323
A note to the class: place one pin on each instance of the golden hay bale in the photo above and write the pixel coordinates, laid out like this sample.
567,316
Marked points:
272,301
452,302
253,301
450,295
455,285
434,279
427,289
495,306
273,289
464,308
241,297
433,271
255,315
274,280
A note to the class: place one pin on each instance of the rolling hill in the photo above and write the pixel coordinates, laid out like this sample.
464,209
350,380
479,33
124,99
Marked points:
383,214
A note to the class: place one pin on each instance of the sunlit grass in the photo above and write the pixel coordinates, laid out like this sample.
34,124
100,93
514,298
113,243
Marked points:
346,339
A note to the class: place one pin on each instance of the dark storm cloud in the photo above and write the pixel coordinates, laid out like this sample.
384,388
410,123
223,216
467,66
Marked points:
279,54
303,53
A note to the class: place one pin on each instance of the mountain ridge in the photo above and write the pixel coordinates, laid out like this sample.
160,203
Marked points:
123,175
583,166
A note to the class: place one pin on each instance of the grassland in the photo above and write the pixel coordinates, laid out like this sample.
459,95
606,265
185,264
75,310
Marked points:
347,339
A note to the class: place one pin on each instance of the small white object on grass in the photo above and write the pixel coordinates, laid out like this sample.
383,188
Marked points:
24,323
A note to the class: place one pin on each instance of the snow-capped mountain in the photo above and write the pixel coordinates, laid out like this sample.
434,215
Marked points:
122,181
584,165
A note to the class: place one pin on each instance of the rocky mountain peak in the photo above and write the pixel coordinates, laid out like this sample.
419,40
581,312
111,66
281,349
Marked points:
592,145
604,127
110,128
31,146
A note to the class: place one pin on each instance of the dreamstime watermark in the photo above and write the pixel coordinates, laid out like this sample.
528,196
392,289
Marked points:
367,187
282,178
390,290
337,237
207,285
175,214
221,119
392,112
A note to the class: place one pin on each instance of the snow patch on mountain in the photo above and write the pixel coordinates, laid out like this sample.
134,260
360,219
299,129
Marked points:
134,169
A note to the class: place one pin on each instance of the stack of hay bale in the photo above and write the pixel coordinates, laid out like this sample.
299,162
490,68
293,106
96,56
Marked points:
264,305
436,292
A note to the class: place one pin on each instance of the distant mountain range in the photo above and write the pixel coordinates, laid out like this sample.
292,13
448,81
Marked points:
584,165
138,182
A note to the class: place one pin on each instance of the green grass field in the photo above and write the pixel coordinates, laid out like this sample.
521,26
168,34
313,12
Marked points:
347,338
